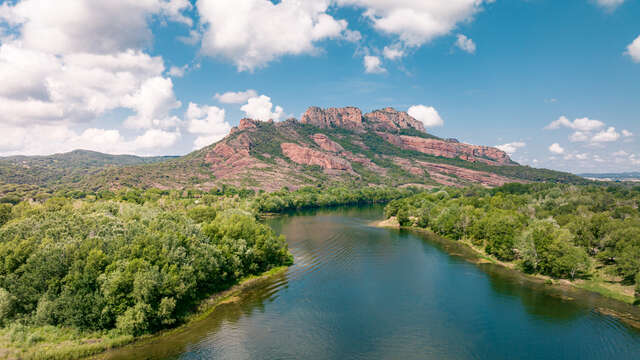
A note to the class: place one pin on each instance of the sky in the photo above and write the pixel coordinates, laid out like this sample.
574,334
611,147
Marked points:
556,84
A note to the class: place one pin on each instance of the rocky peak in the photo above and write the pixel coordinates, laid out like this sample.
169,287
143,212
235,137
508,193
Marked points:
391,119
247,123
346,117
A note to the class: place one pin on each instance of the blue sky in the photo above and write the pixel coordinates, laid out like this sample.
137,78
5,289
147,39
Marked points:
555,83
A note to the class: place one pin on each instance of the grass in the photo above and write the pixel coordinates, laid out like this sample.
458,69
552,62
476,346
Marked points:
19,341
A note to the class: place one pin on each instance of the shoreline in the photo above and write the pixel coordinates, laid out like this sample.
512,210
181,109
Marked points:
206,308
98,346
479,257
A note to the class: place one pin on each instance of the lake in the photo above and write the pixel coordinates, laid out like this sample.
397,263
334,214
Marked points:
360,292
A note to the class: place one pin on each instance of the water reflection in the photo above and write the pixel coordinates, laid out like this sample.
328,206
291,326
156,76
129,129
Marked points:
359,292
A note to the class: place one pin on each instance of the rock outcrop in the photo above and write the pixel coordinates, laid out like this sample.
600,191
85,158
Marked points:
351,118
327,144
346,117
307,156
389,119
448,149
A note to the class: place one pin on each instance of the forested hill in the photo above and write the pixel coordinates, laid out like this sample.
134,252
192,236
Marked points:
331,146
326,146
63,168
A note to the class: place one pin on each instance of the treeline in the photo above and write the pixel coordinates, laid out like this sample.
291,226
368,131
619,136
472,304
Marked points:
313,197
123,266
562,231
135,261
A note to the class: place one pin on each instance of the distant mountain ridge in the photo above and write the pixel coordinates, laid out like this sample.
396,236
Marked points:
333,145
64,167
326,146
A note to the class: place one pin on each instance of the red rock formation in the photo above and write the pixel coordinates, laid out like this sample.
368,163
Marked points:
481,177
308,156
347,117
248,124
391,119
327,144
472,153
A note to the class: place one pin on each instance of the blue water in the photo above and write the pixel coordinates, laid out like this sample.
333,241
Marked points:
360,292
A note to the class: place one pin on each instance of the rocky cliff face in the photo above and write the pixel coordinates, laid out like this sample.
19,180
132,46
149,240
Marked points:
351,118
449,149
307,156
389,119
346,117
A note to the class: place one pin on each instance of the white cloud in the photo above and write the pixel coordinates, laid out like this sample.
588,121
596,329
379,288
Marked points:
620,153
67,26
579,136
155,138
511,148
417,22
259,108
69,62
208,122
251,33
582,124
393,52
609,4
633,50
608,135
428,115
55,138
178,71
627,133
556,149
352,35
582,156
239,97
465,44
152,102
373,65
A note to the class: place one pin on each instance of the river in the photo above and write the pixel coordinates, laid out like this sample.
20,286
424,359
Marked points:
360,292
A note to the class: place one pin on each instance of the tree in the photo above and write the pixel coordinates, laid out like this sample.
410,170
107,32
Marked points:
403,217
5,213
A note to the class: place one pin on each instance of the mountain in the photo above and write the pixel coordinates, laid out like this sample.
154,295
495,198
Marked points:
626,176
334,145
63,168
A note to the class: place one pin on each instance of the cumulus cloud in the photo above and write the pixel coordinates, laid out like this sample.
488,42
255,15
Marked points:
556,148
582,124
41,139
416,22
633,50
69,62
239,97
178,71
511,148
373,65
152,102
428,115
465,44
208,122
259,108
252,33
627,133
67,26
608,135
393,52
609,4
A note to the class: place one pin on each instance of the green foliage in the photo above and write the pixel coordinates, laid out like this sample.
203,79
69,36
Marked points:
69,167
127,265
552,229
5,213
312,197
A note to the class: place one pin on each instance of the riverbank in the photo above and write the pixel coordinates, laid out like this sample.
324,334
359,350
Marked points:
599,283
49,342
